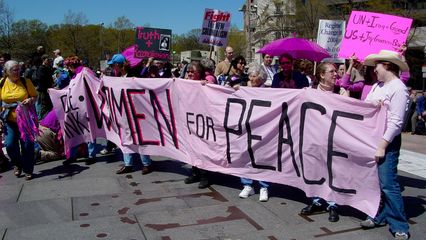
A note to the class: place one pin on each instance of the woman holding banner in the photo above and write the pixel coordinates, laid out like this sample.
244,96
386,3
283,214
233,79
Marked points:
391,92
195,71
15,90
257,78
75,65
288,77
326,74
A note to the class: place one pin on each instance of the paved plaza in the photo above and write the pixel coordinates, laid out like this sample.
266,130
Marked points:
92,202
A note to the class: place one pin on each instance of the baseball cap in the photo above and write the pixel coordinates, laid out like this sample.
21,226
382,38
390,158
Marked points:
117,59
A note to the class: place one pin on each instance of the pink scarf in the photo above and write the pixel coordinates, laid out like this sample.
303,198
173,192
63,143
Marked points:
27,120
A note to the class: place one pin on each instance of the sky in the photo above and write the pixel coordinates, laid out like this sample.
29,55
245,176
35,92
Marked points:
179,15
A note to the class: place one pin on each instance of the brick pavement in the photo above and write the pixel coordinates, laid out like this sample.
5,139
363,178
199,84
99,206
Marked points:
82,202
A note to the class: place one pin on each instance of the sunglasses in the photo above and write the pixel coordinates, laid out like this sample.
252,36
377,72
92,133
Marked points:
285,63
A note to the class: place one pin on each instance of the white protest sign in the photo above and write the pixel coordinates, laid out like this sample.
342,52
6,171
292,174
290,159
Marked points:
330,35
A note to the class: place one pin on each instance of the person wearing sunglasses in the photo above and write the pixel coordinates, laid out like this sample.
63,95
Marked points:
239,78
288,77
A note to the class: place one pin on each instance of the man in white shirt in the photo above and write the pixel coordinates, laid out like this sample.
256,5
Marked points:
58,58
269,69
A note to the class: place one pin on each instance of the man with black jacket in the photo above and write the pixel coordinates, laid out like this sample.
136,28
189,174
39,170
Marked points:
42,81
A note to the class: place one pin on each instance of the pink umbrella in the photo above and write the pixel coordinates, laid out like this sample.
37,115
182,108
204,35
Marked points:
298,48
129,54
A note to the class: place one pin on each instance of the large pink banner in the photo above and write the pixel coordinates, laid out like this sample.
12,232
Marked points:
369,32
321,143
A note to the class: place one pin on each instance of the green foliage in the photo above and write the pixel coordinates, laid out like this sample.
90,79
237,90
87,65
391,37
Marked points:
237,40
26,36
188,41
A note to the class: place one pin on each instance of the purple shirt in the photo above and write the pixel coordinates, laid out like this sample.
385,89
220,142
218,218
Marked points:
51,122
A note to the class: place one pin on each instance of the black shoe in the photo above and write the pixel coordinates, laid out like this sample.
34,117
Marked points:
124,169
17,171
204,183
311,208
28,176
147,170
68,161
90,161
192,179
333,215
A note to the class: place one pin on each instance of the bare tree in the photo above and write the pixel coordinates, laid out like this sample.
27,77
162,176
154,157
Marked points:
6,20
308,14
73,24
122,25
27,35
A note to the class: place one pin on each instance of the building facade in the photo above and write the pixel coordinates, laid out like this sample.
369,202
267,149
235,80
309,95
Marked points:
265,21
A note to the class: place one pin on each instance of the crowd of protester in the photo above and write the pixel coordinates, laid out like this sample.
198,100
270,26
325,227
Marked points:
380,78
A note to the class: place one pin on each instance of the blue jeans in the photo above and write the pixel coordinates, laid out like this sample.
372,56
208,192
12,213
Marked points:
128,159
393,211
20,152
317,201
249,182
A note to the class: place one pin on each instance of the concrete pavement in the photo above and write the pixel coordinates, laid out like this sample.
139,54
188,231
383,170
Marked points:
92,202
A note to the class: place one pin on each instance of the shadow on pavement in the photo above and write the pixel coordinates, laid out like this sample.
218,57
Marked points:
414,206
411,182
171,166
63,171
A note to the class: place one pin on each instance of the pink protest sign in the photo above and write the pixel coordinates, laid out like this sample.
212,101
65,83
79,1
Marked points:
321,143
369,32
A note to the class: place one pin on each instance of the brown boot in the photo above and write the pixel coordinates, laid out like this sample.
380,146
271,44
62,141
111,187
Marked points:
146,170
125,169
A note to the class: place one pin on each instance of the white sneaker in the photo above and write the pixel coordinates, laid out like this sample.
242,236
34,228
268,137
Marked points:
104,151
246,192
263,196
401,236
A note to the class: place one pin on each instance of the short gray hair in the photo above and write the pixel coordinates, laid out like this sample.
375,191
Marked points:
259,71
9,65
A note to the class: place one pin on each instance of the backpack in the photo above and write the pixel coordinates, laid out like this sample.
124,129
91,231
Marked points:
23,81
420,128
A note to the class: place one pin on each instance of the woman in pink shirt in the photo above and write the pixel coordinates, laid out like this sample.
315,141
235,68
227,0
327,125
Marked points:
389,92
196,72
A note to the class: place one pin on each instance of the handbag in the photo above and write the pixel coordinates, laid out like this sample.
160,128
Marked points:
223,78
